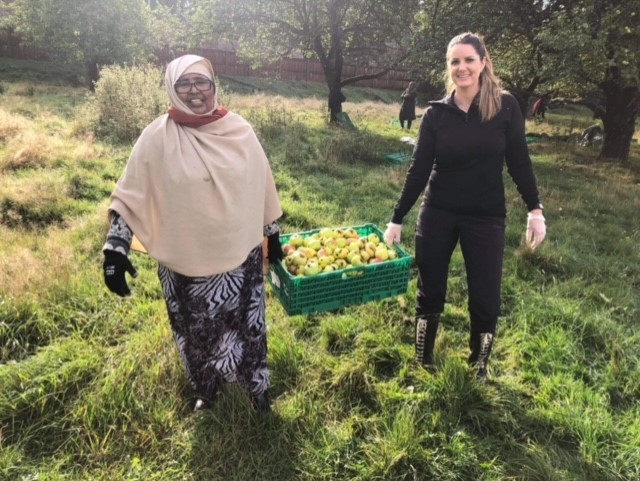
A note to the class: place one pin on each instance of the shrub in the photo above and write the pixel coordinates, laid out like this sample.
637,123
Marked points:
126,100
351,147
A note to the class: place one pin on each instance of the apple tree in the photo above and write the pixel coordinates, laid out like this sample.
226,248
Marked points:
510,29
593,46
375,33
584,49
92,32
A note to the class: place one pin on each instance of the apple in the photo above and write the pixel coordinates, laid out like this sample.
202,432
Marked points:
355,246
307,251
341,263
296,240
288,249
373,237
324,261
356,260
298,258
312,268
327,233
381,252
314,243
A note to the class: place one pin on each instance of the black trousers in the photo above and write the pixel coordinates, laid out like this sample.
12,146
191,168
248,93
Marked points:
482,243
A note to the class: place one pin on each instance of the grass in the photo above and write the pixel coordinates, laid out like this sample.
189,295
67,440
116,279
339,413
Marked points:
92,387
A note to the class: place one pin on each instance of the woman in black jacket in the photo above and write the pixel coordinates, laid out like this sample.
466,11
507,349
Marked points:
463,143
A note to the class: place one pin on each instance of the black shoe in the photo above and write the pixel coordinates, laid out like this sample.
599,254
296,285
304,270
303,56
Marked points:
481,344
426,330
261,402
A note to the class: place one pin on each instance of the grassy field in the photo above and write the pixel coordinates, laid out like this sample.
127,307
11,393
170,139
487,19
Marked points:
92,387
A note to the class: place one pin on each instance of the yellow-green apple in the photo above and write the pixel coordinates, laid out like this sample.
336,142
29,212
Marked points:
296,240
356,260
298,258
381,252
373,237
312,268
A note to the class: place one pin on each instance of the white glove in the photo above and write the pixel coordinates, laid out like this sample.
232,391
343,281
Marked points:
393,233
536,230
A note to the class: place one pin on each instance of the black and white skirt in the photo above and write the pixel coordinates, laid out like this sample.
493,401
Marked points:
218,324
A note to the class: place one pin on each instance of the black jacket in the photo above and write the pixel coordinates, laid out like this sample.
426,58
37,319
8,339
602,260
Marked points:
460,160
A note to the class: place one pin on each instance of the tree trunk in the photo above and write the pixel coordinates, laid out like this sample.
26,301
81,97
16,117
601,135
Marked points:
621,110
336,97
522,96
93,74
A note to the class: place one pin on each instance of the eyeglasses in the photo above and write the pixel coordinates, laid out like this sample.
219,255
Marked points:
184,86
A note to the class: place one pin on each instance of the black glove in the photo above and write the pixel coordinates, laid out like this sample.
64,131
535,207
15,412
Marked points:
274,248
115,265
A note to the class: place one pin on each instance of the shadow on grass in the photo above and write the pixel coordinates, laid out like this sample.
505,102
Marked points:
233,442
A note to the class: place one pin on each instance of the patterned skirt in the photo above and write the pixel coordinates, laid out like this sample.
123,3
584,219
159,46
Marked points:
218,324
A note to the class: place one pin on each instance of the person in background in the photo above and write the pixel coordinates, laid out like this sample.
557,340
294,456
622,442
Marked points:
408,107
539,108
463,142
199,195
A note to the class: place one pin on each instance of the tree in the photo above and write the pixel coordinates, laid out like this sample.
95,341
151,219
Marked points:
593,47
585,49
510,29
376,33
94,32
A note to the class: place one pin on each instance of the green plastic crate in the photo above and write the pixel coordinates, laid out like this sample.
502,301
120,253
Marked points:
333,290
398,157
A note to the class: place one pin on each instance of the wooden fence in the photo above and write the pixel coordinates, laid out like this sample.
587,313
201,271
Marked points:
228,63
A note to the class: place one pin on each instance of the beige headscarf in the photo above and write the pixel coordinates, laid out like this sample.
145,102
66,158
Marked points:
197,198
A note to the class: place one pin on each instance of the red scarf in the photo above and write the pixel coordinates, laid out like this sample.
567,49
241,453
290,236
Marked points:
195,121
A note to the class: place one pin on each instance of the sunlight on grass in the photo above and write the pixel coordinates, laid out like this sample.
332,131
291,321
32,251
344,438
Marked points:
92,386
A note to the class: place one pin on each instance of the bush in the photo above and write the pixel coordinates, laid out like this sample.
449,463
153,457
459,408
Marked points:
351,147
126,100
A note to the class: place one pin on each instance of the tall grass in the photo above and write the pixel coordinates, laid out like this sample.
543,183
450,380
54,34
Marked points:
92,387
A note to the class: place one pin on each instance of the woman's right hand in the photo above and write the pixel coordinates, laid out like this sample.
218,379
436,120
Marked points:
393,233
114,267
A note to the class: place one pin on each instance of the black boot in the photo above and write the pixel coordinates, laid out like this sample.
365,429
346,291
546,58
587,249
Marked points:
426,330
480,344
261,402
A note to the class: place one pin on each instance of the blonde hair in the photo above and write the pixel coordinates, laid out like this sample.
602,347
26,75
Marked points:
490,101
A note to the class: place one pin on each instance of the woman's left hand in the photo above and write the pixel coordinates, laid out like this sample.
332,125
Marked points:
274,248
536,229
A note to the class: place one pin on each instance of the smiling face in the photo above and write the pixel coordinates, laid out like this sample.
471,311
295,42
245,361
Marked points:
199,101
465,66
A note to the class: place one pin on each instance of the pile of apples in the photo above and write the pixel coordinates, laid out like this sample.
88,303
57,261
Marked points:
330,249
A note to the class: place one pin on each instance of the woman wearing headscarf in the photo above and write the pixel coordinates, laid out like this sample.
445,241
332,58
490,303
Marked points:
408,107
199,195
